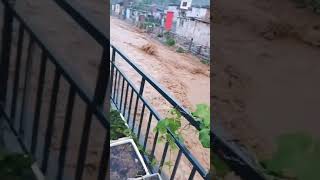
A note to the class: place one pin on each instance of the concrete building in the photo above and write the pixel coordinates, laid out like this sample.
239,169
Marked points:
194,28
193,23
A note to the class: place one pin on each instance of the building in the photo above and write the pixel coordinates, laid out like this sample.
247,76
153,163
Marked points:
192,23
195,29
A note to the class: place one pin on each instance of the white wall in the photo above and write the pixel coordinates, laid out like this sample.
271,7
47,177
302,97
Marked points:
117,9
197,12
199,31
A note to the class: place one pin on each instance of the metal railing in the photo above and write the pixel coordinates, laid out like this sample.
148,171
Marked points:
120,96
93,105
127,98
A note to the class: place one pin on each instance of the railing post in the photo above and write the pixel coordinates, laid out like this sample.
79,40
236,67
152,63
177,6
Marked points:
113,58
5,52
142,86
103,77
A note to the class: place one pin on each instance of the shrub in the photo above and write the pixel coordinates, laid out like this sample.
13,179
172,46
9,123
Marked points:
180,50
314,4
170,42
15,166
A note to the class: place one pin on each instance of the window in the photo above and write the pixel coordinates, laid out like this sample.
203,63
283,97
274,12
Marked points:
184,4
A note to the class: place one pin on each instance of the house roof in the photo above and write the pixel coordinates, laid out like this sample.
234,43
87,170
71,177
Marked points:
117,1
195,3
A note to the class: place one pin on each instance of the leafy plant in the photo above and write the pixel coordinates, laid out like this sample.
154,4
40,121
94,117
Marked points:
170,42
202,113
220,167
15,166
180,50
172,123
119,130
297,157
314,4
118,126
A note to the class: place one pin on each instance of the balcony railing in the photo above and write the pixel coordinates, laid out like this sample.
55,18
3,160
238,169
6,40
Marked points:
126,95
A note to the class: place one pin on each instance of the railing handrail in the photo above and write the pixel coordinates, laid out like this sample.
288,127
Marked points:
160,89
61,67
97,34
182,146
93,30
90,28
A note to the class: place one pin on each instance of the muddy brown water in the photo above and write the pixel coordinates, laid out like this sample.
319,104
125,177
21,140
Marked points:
81,55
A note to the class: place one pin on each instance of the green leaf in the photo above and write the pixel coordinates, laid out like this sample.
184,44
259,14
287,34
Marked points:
162,125
204,137
220,166
173,125
203,113
297,155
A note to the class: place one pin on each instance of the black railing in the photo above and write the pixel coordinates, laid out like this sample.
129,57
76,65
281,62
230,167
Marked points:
93,105
128,99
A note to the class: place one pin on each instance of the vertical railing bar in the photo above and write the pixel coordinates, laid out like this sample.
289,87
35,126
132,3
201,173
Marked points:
125,100
102,81
135,113
26,88
137,101
141,120
176,165
147,132
38,103
130,104
84,143
193,172
51,118
5,54
142,86
118,89
112,71
163,156
66,132
115,85
122,88
17,74
154,143
104,162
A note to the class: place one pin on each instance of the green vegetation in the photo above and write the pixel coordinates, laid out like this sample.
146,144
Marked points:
202,114
314,4
220,167
15,166
118,126
180,50
173,123
297,157
120,130
170,42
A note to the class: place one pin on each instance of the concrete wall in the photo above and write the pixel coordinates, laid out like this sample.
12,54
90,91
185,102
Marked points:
117,9
197,12
198,30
